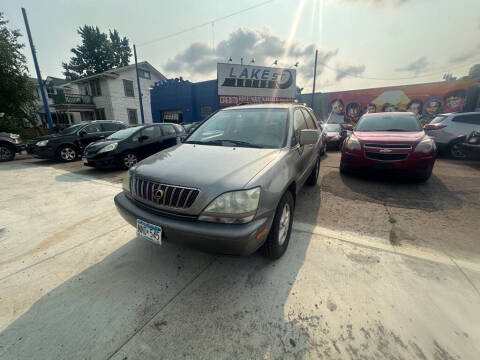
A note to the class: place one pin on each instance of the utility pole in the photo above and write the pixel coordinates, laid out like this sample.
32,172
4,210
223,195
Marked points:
39,75
314,78
138,84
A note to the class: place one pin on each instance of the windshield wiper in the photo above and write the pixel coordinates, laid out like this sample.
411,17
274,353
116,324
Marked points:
235,142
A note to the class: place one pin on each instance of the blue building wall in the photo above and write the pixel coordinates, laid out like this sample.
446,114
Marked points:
190,98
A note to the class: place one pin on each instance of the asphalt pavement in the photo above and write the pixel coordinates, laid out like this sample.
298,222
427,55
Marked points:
377,268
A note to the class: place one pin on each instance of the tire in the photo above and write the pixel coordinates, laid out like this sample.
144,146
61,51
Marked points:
279,236
343,168
129,159
6,153
455,150
313,177
324,149
67,153
425,177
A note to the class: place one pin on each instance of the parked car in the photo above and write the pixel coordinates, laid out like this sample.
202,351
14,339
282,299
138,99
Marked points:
190,127
471,145
231,193
392,141
68,145
128,146
336,133
180,130
449,131
10,144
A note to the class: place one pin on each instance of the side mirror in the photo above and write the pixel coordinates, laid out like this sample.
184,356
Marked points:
82,133
308,137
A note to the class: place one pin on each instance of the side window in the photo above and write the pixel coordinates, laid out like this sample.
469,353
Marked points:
467,119
93,128
179,129
119,126
168,130
152,132
310,123
110,127
298,125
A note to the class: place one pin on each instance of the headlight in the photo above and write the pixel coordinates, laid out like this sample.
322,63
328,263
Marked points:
42,143
235,207
126,183
425,146
353,143
109,147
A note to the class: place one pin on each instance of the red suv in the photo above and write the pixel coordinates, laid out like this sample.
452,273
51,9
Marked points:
393,141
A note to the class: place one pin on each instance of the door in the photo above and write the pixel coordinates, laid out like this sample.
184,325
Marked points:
90,133
304,151
147,141
169,136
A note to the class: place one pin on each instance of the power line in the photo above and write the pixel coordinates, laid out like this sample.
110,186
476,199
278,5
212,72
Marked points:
210,22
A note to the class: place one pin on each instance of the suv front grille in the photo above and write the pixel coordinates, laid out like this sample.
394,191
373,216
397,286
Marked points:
388,146
169,196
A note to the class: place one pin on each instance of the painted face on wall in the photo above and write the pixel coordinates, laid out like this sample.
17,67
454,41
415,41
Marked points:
455,102
353,112
414,108
371,109
390,108
337,107
433,107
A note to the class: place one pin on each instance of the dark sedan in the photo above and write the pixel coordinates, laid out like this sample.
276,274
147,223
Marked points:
471,145
128,146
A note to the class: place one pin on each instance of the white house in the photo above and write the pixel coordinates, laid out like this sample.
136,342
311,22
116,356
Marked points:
114,93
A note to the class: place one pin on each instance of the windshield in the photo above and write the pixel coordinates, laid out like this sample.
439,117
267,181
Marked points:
389,123
72,129
333,128
244,127
124,133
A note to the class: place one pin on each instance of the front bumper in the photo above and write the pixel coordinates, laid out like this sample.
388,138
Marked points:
233,239
420,166
43,152
472,150
101,161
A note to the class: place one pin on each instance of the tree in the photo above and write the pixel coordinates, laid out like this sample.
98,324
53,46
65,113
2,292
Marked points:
16,91
97,53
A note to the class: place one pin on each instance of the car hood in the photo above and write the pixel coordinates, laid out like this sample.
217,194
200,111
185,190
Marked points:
209,168
49,137
389,137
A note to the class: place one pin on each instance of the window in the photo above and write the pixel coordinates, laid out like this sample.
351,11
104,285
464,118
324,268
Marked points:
128,87
95,87
467,119
132,116
50,91
172,116
111,126
205,111
179,129
93,128
168,130
144,74
298,125
100,114
310,123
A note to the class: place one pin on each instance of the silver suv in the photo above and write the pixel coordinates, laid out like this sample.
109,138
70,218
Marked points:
230,187
449,131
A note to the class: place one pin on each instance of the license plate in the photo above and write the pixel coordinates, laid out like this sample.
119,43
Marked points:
85,161
382,165
149,231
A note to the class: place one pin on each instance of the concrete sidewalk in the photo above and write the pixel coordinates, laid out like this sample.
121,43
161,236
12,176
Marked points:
76,283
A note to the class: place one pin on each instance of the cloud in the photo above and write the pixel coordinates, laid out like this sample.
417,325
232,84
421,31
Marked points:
467,55
417,67
351,70
199,61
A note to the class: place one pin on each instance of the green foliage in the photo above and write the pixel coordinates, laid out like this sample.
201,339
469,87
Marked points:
97,53
16,91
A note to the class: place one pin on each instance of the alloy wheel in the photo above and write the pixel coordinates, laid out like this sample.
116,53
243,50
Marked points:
68,154
284,224
5,153
457,151
129,160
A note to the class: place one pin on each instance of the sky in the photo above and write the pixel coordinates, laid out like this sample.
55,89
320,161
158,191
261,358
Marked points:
361,43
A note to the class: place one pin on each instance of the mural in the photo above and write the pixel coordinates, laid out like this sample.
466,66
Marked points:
424,100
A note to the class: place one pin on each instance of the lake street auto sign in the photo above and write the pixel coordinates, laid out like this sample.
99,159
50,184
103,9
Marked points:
240,84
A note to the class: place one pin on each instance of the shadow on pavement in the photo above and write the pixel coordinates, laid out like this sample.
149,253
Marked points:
179,302
432,195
